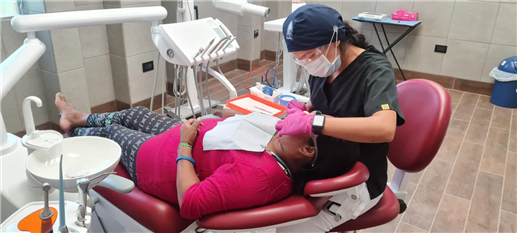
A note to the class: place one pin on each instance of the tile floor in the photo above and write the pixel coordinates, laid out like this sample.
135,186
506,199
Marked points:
471,185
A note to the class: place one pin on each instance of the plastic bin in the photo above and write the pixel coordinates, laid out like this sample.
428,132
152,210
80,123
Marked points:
504,94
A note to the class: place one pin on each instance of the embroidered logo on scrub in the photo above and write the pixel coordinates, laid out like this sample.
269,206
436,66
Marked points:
385,106
289,34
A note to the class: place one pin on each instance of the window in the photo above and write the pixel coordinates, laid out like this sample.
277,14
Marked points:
9,8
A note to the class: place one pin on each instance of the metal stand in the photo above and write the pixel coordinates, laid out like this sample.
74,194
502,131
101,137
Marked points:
384,51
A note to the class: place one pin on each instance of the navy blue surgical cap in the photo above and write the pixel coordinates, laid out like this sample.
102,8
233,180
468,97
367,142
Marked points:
312,26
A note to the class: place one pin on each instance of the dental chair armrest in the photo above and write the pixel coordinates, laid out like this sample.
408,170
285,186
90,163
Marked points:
328,187
118,184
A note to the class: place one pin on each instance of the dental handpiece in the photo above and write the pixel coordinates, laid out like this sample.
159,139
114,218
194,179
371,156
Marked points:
197,53
228,45
208,46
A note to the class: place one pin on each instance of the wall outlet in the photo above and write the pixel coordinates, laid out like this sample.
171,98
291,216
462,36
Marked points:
147,66
440,48
255,34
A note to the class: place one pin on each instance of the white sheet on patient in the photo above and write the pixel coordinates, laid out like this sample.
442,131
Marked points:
242,132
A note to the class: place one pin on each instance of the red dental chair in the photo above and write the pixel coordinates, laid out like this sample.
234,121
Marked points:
427,108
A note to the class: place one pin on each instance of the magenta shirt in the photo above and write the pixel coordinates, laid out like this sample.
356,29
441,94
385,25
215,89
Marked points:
232,179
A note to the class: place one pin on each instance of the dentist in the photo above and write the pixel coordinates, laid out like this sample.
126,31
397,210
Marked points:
353,85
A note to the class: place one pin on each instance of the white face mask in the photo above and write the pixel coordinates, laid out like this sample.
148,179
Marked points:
321,67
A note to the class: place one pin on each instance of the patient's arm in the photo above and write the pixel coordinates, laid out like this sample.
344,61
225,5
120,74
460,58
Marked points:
226,113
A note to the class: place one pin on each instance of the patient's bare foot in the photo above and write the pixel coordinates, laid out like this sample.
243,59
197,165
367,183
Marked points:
69,117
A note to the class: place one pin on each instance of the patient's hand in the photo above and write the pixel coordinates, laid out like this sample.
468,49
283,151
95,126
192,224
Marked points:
189,130
226,113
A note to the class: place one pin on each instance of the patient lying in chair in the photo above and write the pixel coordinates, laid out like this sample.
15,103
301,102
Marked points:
229,175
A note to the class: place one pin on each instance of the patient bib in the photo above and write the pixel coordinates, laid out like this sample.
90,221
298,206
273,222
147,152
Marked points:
242,132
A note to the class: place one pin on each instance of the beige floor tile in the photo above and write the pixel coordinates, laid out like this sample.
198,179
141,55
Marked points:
465,169
386,228
452,142
469,99
455,95
415,177
406,228
502,118
494,157
484,210
451,215
477,133
424,203
481,116
453,106
463,112
508,223
513,135
484,102
510,184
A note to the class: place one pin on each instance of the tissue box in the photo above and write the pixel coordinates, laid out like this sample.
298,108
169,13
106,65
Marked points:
404,15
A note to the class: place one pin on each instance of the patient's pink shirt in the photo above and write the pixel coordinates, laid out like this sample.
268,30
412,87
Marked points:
229,179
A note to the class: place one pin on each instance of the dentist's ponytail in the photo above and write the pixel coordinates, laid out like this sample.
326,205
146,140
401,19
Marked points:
353,37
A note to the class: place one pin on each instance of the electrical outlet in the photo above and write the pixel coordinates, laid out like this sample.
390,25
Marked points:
147,66
255,33
440,48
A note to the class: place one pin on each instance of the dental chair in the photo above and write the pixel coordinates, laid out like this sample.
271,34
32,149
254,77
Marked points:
427,108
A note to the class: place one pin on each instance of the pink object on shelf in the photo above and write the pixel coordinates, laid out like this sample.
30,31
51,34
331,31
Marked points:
404,15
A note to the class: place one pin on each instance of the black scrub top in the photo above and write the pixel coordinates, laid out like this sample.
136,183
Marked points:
365,87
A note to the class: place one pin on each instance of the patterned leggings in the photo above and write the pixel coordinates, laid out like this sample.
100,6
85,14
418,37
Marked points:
129,128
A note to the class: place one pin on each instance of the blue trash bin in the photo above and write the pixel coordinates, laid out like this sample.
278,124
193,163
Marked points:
504,92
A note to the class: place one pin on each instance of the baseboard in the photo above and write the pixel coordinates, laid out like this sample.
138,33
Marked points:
262,54
243,64
106,107
270,55
45,126
157,103
448,82
121,105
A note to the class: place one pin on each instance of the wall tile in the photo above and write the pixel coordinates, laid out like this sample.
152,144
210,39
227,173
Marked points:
67,49
510,184
137,38
3,56
51,84
436,16
473,21
140,83
485,206
463,177
32,85
52,6
461,54
99,80
73,85
389,6
86,2
244,38
35,6
120,78
47,61
368,34
11,113
171,7
351,9
12,40
496,54
505,31
420,55
94,39
399,49
337,5
115,39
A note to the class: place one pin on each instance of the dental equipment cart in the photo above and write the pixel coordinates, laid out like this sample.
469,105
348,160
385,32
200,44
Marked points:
410,24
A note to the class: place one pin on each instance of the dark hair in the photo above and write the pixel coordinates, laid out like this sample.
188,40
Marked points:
335,157
353,37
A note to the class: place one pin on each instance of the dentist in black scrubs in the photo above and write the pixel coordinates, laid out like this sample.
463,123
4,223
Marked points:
353,85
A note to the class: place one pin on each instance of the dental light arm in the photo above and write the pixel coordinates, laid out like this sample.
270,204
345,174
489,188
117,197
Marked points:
240,7
18,63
